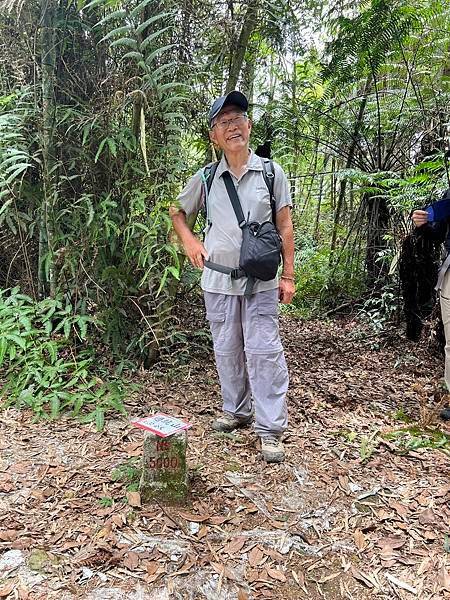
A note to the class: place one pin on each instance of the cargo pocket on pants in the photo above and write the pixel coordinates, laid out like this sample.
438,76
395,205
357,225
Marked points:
216,325
268,338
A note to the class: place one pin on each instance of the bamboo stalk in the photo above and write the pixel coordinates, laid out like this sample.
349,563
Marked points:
47,275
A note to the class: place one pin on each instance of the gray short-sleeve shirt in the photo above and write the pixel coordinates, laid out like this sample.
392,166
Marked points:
223,235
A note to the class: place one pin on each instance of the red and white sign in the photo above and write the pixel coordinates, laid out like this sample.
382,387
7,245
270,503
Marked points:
162,424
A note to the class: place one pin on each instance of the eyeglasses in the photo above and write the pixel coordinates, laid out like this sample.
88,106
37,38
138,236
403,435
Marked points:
225,123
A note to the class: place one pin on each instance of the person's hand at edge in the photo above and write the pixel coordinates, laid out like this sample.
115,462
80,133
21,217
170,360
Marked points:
419,217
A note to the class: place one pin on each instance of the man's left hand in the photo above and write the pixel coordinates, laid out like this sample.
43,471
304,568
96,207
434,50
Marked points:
286,291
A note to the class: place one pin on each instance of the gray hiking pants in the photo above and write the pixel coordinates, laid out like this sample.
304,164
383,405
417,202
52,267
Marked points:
249,357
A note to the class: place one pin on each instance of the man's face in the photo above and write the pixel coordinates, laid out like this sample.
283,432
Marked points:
231,129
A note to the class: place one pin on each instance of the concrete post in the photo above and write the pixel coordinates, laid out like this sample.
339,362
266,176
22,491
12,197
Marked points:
164,473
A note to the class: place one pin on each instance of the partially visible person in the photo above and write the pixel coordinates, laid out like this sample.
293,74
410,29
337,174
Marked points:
434,223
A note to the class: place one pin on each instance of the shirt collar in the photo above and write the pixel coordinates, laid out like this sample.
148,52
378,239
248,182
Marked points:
253,164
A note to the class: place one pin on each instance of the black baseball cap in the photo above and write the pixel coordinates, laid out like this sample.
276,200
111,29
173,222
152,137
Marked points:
234,98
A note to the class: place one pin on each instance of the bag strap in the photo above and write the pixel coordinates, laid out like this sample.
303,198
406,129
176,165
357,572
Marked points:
235,273
208,177
269,178
209,173
234,199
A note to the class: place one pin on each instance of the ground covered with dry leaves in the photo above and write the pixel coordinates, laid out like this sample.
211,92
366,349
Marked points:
360,508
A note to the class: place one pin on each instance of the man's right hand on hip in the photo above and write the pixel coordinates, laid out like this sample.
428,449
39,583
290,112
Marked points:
196,252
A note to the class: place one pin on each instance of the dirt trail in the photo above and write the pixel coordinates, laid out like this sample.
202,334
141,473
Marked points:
360,508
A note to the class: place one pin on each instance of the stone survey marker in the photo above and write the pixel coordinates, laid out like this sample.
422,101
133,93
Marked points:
164,471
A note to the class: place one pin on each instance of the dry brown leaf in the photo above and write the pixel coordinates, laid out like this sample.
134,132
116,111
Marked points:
6,484
8,536
131,560
234,546
203,531
391,542
444,578
273,554
255,556
152,566
399,508
134,499
119,519
427,517
425,566
443,491
133,448
242,594
6,589
299,578
252,575
278,524
423,500
152,578
221,569
343,482
362,577
276,574
360,539
219,520
24,594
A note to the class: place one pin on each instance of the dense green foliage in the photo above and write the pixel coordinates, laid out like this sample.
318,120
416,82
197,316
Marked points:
102,120
49,369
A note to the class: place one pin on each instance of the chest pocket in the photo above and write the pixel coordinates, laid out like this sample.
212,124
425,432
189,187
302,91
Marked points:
261,209
262,193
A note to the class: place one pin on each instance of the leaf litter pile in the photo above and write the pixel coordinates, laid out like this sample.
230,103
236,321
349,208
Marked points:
359,509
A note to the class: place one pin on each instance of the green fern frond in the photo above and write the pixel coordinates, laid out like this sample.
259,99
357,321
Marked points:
143,26
116,32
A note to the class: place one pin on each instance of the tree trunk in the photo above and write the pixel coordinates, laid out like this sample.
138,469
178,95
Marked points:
239,54
248,77
348,164
377,225
319,199
47,275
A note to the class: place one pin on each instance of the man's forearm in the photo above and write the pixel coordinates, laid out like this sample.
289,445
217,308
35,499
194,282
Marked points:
193,247
180,225
286,231
287,252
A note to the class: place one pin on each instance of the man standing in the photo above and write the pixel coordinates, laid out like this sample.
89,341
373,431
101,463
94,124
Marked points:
247,346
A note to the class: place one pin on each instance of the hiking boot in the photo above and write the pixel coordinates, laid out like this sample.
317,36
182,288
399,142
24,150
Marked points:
228,422
445,414
272,449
